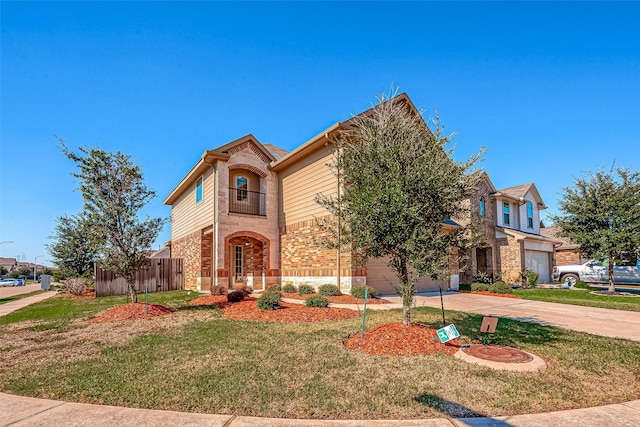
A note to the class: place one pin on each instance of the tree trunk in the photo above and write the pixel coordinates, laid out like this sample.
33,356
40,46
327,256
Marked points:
406,289
612,286
132,292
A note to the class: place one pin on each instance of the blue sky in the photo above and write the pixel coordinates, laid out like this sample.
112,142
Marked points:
551,89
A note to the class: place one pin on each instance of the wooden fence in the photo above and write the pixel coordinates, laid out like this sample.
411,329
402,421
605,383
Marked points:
163,274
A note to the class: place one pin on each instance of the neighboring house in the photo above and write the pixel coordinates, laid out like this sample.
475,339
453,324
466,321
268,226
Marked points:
567,252
246,215
9,263
510,222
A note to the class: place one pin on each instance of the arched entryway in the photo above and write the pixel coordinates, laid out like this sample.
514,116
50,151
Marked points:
247,259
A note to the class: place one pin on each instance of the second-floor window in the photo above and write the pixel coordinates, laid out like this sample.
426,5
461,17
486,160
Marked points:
242,185
481,206
529,215
199,190
505,213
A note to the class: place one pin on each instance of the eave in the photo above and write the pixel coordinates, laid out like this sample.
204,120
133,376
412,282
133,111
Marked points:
206,161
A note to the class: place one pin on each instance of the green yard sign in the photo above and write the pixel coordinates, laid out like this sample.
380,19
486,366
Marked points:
448,333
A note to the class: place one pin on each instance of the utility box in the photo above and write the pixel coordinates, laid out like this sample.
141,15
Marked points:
45,282
454,284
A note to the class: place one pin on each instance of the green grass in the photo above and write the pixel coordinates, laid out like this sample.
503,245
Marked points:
200,362
580,297
19,297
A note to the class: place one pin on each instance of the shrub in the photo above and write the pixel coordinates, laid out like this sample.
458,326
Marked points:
529,278
305,289
236,296
269,301
317,301
482,277
75,285
500,288
328,290
465,286
358,291
217,290
275,288
248,290
289,288
479,287
582,285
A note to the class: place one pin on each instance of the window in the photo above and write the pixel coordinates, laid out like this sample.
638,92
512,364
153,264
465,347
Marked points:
199,190
505,213
238,263
242,184
529,215
481,206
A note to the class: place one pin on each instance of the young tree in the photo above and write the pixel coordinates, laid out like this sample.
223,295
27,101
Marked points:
601,213
399,184
114,192
73,249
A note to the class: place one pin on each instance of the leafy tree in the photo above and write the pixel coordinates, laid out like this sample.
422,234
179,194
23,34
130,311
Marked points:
399,185
114,192
73,249
3,270
601,213
23,271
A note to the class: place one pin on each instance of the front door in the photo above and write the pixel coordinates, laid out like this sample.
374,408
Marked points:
237,276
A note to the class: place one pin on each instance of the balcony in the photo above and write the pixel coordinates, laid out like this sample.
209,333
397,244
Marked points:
247,202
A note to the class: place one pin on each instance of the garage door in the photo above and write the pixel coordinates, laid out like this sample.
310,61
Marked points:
538,262
384,280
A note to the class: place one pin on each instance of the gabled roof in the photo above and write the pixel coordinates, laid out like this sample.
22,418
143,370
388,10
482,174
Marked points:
207,160
323,137
552,232
518,192
277,152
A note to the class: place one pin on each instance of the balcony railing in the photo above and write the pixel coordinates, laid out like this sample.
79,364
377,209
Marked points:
247,202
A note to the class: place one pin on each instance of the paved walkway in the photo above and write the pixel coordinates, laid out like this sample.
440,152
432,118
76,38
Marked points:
22,411
19,411
15,305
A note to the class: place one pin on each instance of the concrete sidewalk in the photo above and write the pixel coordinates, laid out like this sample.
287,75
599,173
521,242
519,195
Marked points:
22,411
18,304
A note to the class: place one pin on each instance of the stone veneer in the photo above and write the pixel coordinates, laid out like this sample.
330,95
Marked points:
188,248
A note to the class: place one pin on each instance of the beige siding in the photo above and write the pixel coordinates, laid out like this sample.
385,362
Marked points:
299,184
186,215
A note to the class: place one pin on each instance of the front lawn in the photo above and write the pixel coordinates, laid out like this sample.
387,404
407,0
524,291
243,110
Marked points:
580,297
194,360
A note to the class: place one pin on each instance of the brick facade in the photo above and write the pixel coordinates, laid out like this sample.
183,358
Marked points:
305,259
568,257
510,259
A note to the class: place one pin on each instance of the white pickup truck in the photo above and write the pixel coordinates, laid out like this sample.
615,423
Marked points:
595,271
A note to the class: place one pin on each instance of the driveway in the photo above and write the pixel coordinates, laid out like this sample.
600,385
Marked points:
597,321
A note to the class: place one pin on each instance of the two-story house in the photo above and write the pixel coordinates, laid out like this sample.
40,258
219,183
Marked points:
509,219
246,215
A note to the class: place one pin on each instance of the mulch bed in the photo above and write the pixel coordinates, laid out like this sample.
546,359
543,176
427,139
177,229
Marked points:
491,294
398,339
88,294
137,310
337,299
292,313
